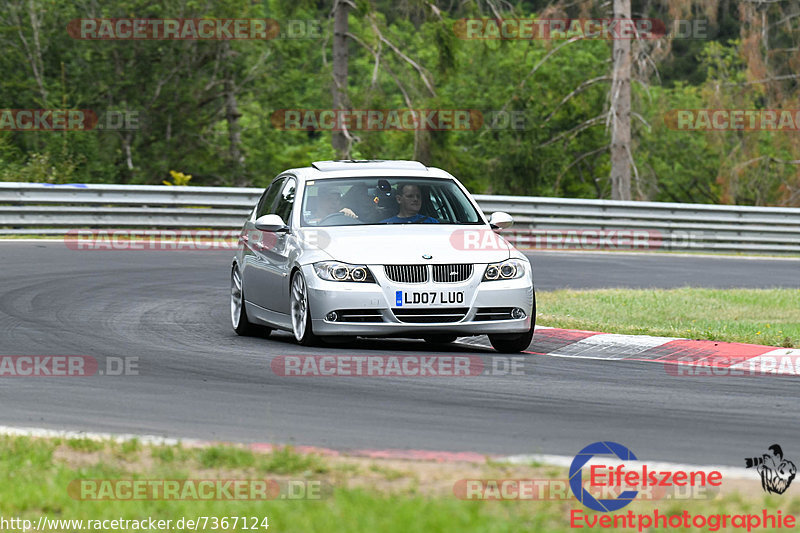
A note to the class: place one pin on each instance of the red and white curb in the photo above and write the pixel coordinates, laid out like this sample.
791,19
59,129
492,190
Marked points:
680,357
729,472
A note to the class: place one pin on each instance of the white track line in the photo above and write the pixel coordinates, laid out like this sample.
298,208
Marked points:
115,437
32,240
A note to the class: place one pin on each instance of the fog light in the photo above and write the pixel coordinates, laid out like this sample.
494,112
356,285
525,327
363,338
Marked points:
517,313
333,316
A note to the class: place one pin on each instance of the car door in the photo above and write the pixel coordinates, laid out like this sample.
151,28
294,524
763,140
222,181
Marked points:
272,251
255,261
284,249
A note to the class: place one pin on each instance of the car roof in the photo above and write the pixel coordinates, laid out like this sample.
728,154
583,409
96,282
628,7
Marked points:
362,164
351,168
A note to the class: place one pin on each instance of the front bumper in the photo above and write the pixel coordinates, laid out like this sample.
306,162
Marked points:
378,300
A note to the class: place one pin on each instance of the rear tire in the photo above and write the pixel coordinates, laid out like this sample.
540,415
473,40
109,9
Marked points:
441,338
241,325
517,342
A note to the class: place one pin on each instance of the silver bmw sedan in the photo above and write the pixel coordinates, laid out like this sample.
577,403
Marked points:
379,249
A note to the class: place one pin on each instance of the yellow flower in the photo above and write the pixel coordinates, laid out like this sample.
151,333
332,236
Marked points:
178,178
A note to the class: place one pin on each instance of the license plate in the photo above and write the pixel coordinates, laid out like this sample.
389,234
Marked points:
407,298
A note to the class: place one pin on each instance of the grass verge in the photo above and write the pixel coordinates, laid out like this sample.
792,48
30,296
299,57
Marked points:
366,494
756,316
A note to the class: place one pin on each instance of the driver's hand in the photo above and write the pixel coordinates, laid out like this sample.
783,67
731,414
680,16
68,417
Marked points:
348,212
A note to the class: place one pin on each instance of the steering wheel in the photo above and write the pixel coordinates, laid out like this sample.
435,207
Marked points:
345,220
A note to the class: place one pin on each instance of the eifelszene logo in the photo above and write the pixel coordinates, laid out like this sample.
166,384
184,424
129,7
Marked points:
776,472
609,469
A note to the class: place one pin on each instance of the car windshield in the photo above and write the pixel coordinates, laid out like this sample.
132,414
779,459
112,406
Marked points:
377,200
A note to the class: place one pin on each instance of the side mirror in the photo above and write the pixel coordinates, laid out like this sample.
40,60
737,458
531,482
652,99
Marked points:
273,223
500,220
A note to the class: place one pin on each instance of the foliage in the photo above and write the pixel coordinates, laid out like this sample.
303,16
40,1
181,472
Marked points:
207,107
178,178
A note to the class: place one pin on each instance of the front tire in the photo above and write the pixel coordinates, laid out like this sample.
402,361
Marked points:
512,343
241,325
517,342
301,312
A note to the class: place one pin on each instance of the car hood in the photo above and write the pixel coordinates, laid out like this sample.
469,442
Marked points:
407,243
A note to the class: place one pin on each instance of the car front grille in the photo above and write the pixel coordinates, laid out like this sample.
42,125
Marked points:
407,273
419,273
451,273
430,315
493,313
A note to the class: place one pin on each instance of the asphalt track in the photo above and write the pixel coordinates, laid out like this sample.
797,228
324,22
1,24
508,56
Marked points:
197,379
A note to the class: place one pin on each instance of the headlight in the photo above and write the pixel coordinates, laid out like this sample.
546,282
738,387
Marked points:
335,271
511,269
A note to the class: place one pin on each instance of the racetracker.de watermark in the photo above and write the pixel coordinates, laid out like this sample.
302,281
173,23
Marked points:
397,119
733,119
405,366
173,29
47,119
68,120
158,240
197,489
28,366
574,239
782,362
559,490
377,119
583,28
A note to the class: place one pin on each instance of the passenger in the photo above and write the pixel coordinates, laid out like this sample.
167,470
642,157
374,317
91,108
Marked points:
409,199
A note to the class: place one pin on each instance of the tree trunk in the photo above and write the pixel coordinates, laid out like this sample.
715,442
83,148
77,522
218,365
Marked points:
37,63
232,116
422,146
340,57
621,153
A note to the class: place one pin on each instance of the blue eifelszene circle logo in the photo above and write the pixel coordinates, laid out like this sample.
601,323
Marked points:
576,476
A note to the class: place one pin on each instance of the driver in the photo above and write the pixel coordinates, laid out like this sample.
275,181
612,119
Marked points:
409,198
329,202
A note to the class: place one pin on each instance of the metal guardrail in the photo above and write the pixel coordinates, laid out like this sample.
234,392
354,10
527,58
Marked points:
43,209
666,226
540,222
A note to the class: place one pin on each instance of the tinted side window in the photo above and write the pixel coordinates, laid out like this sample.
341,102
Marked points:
268,198
285,200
